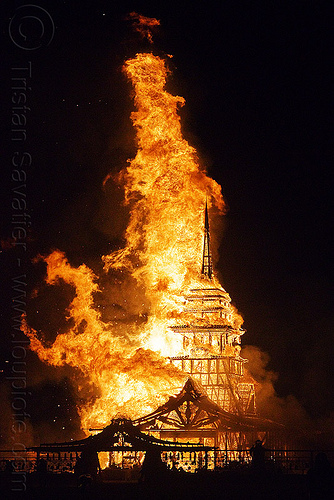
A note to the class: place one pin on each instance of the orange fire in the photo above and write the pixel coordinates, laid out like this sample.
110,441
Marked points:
143,25
165,189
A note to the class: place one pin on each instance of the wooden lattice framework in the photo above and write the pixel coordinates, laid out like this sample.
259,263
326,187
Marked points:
192,417
211,350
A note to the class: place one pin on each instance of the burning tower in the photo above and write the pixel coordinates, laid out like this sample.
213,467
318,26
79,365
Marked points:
211,343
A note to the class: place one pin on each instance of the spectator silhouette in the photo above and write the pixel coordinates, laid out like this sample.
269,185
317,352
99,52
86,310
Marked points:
153,467
320,479
42,471
87,467
258,452
9,467
5,478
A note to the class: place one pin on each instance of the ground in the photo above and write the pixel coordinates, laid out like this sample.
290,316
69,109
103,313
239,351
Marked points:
233,485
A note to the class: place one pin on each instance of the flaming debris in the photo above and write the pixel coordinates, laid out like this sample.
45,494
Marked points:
165,189
143,25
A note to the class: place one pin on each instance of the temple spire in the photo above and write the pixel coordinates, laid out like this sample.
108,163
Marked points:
207,261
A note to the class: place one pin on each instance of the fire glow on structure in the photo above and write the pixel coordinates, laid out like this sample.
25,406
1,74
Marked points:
191,327
211,345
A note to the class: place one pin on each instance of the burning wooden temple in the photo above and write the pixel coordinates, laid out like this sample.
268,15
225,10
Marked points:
216,407
213,417
188,429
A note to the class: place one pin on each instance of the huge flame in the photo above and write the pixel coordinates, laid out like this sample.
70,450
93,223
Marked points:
165,188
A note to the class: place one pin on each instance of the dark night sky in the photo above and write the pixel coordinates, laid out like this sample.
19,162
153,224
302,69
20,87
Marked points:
255,76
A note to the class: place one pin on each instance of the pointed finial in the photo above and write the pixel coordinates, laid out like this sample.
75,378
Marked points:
206,224
207,260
